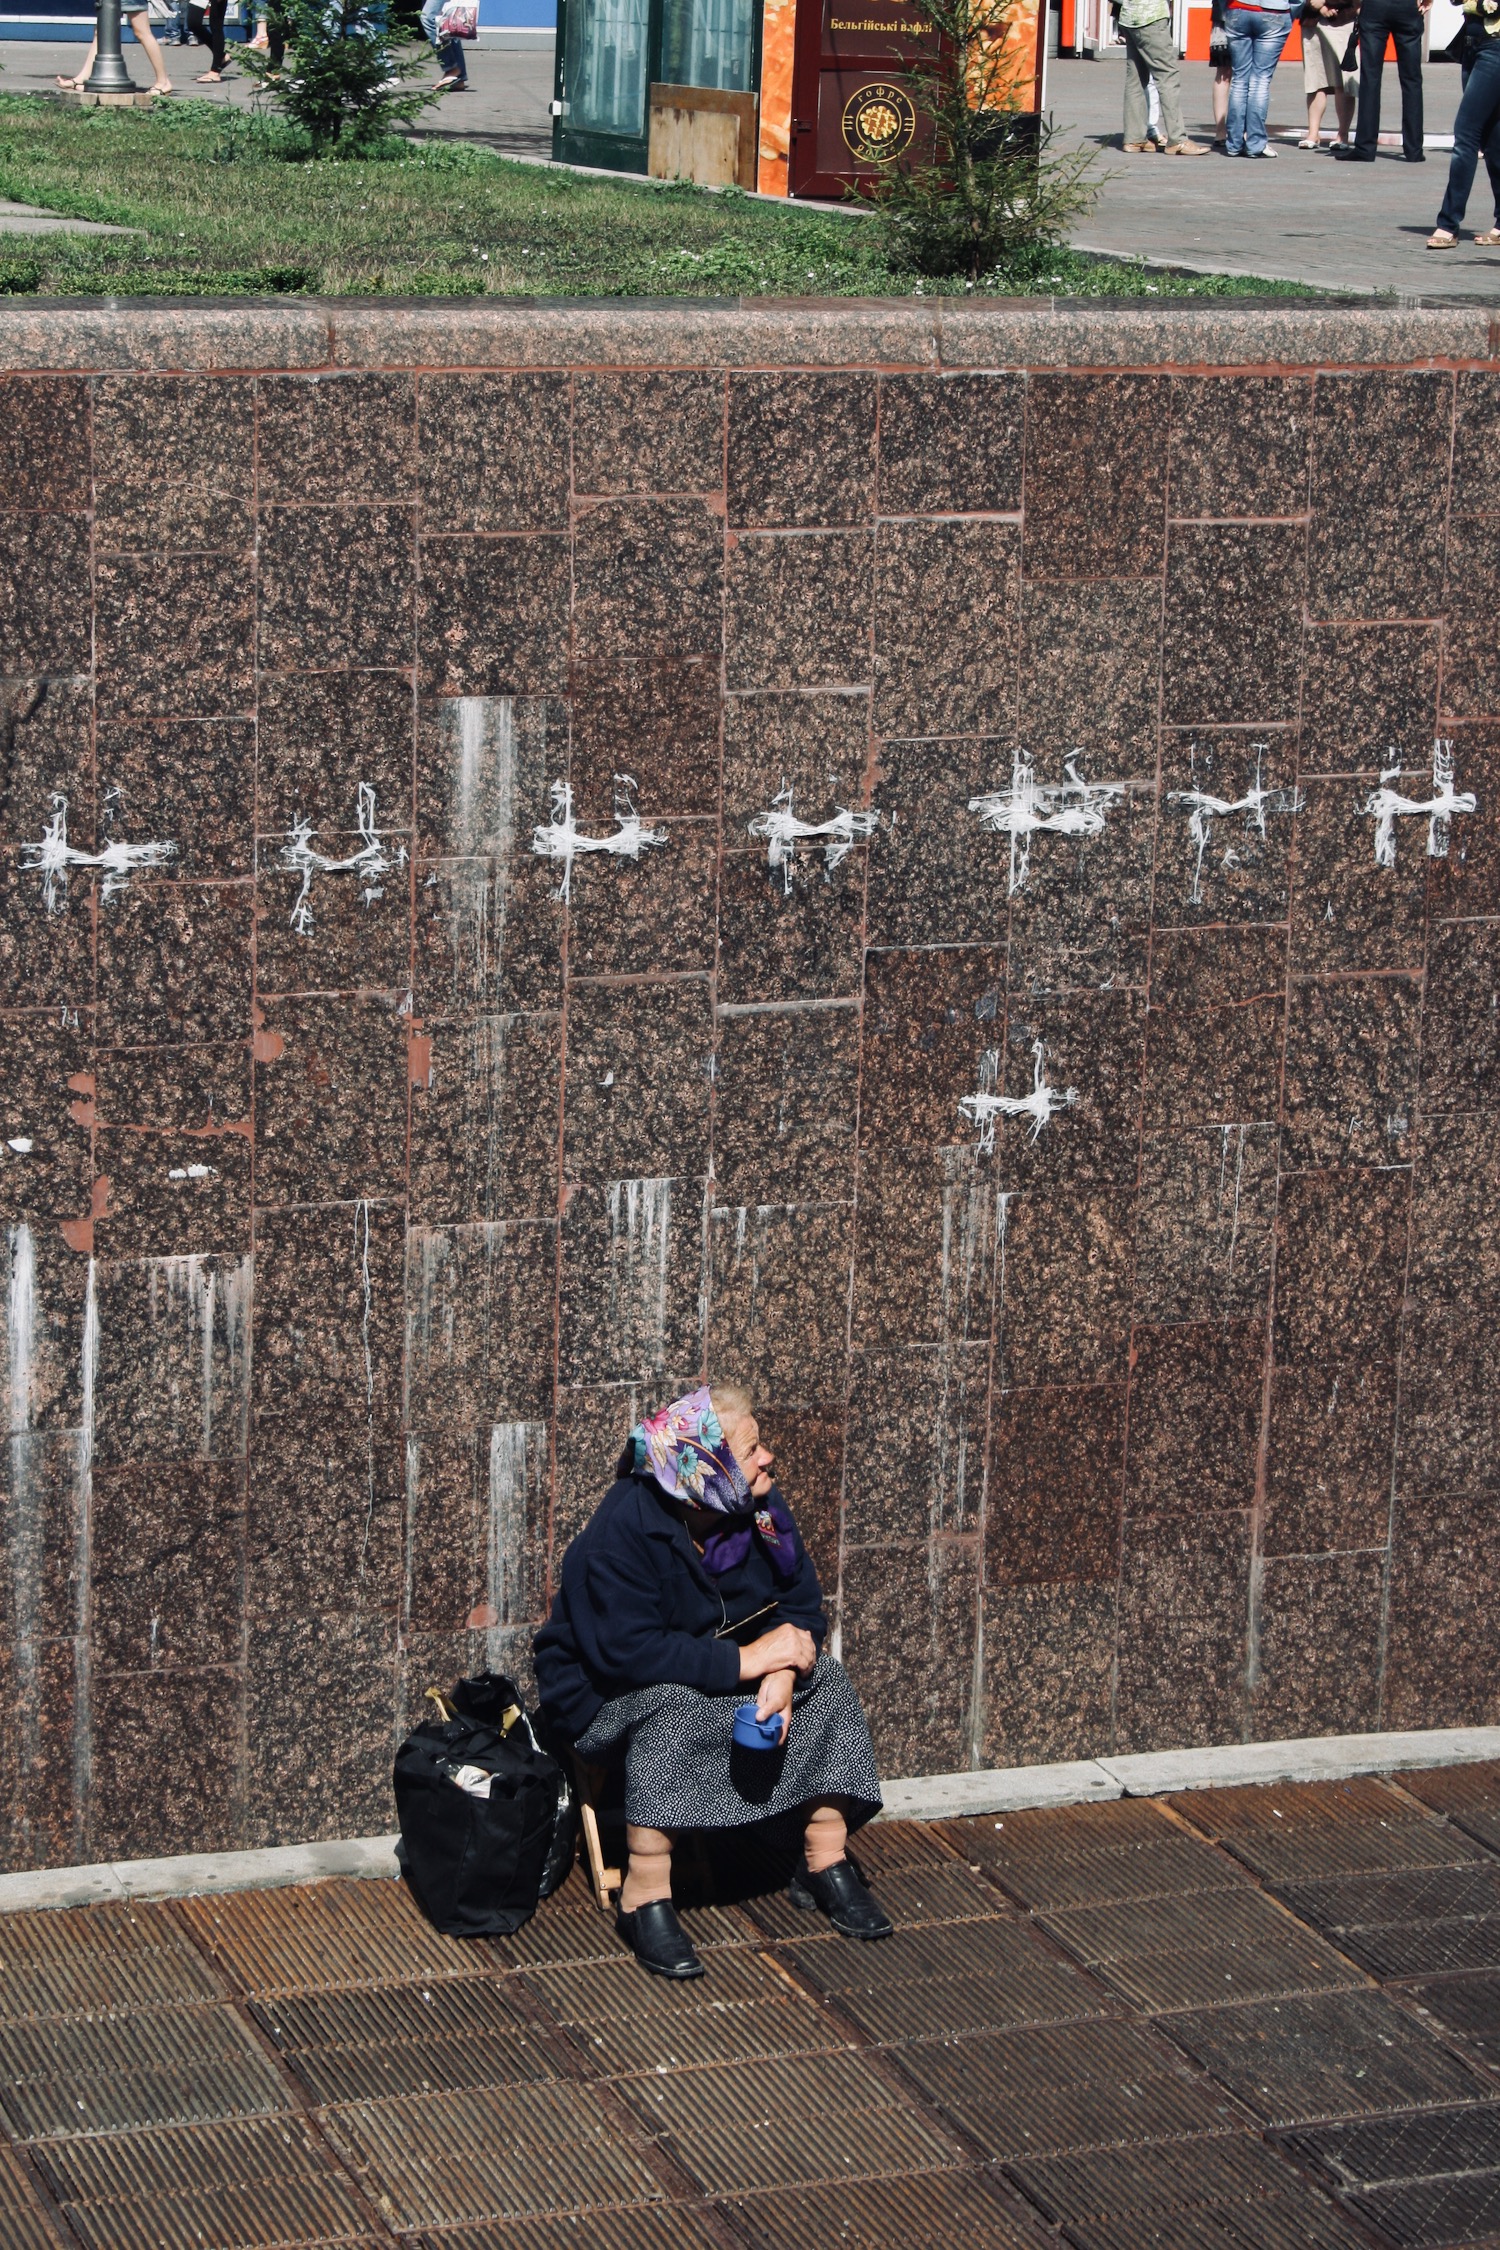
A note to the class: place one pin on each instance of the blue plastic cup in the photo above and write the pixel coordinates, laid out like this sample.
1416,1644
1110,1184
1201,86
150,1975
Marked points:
754,1733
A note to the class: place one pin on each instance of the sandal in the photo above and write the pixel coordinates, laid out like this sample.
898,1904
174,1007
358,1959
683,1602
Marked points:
1441,239
73,85
1490,239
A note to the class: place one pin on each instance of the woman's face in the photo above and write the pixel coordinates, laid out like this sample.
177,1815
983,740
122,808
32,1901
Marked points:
756,1460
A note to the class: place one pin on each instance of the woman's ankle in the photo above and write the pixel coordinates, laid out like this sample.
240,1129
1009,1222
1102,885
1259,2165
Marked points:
642,1890
825,1839
648,1870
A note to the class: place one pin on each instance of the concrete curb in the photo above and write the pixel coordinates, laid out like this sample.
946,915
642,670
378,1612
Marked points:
939,1796
1237,1765
196,1874
953,1796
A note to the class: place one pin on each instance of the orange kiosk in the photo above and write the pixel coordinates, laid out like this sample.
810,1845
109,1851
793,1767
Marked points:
834,105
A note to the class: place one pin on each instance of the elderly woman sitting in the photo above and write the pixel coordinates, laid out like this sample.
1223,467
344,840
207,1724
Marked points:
690,1580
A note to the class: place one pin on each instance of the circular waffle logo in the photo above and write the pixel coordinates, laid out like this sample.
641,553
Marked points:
879,122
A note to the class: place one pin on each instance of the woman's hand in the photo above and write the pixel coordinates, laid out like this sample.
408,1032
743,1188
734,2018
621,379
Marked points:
776,1695
785,1647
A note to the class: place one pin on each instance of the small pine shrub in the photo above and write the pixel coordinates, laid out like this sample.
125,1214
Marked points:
977,189
341,84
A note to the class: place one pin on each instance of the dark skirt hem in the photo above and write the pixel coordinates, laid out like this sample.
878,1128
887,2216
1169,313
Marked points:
684,1770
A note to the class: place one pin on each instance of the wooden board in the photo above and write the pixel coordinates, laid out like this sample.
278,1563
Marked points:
704,134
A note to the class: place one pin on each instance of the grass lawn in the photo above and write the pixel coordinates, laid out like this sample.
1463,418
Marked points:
221,212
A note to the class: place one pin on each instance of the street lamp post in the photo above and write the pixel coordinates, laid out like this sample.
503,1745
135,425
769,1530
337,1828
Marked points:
109,75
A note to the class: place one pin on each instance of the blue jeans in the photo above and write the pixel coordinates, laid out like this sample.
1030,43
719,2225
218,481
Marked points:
1476,128
1256,38
451,53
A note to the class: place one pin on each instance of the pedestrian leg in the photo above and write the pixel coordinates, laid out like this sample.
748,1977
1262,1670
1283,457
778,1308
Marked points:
208,30
1475,125
1241,60
1257,103
1159,49
83,75
140,24
1372,34
1408,37
198,25
1492,166
1271,32
1137,74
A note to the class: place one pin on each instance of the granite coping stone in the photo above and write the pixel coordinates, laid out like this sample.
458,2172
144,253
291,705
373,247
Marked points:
107,334
219,335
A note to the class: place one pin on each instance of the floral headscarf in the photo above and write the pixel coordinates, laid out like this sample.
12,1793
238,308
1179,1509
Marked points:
685,1449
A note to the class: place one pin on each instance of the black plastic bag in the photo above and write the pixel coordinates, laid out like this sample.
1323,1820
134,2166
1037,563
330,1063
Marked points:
490,1697
478,1800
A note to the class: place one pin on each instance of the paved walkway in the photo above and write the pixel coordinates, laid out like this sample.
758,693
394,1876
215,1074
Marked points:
1302,218
30,218
1248,2019
511,74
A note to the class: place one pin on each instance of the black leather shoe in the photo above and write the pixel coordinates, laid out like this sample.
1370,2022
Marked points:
659,1941
1353,156
840,1893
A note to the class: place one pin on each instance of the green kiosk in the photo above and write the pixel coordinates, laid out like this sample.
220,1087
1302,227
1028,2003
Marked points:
611,52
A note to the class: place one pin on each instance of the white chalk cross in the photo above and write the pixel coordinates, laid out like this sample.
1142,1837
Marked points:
560,837
1074,807
1204,809
984,1107
781,831
54,856
369,863
1385,806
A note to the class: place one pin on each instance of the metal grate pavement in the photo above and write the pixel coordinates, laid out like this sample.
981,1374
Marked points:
1248,2020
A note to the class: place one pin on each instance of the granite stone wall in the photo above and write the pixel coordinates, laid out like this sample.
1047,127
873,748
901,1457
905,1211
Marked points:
1085,1144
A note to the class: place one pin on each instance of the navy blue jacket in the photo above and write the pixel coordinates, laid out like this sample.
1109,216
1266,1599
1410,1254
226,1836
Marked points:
635,1608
